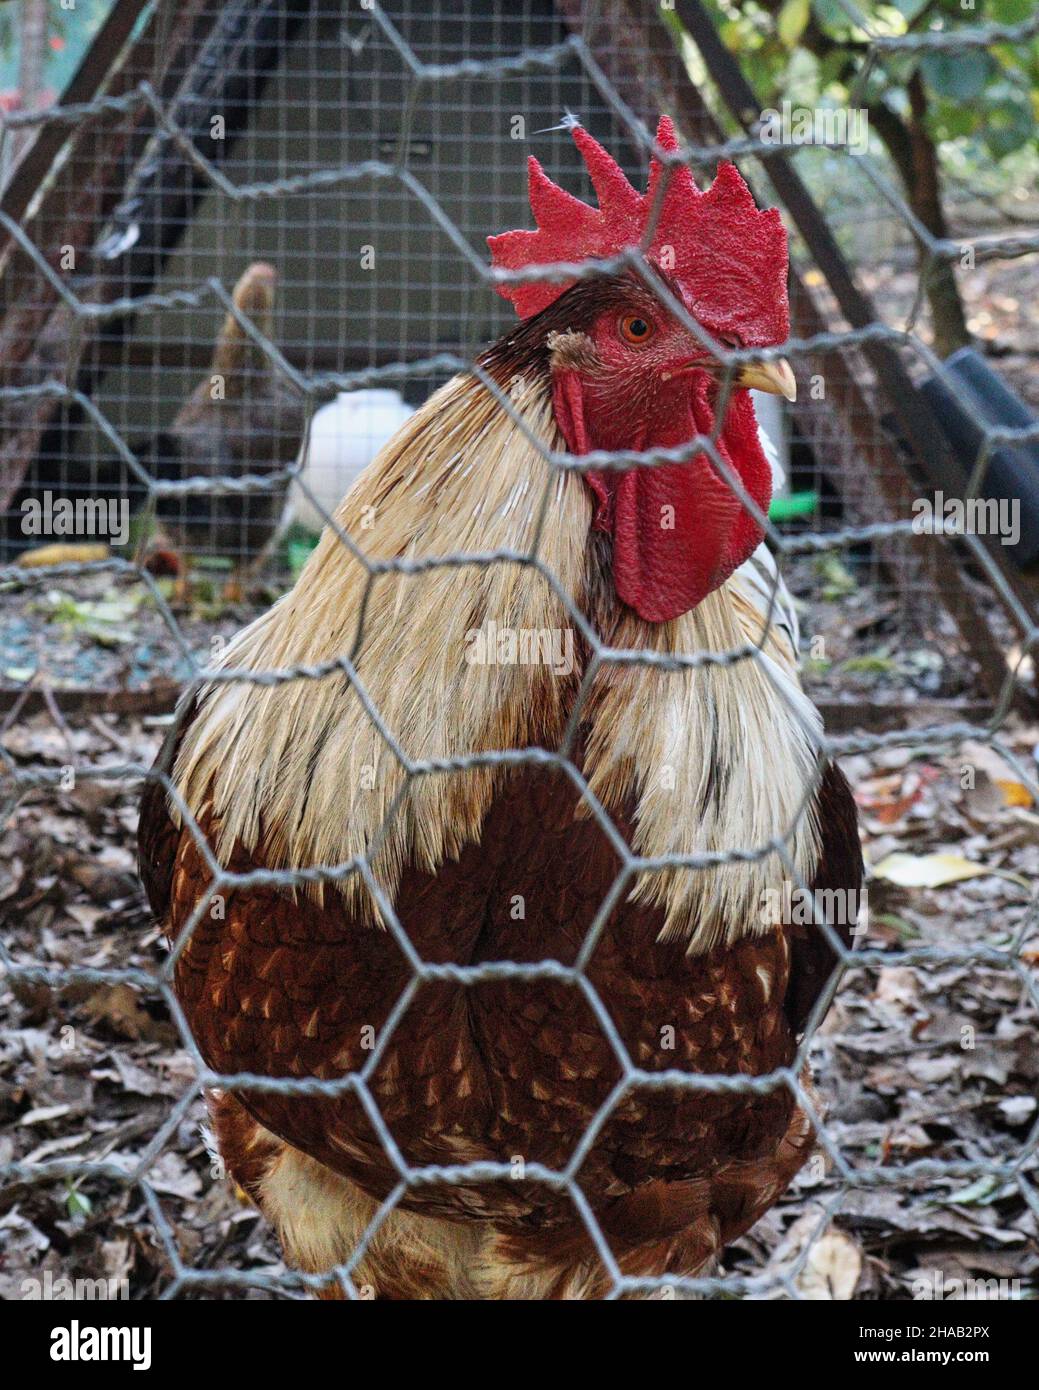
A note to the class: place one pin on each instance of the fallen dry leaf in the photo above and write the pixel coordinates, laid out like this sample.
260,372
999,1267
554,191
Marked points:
122,1008
889,798
58,554
936,870
832,1269
996,768
1014,793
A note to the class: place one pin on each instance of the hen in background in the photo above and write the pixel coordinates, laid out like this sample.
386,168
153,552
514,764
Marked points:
242,418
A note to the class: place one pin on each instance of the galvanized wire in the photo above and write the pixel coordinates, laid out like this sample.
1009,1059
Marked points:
315,386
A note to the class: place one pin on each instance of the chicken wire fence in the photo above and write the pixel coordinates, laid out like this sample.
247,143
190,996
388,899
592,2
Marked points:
424,102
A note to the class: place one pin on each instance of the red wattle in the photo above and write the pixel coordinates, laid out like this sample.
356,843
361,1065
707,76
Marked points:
678,530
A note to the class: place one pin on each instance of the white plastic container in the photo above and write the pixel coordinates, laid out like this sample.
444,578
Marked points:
345,435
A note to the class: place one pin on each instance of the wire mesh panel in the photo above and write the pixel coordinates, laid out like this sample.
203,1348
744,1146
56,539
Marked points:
266,213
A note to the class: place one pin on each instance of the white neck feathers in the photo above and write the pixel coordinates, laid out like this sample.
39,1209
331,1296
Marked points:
461,659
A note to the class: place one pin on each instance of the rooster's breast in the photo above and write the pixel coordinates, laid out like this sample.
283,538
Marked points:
510,1069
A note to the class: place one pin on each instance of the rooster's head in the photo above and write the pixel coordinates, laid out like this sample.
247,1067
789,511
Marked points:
626,374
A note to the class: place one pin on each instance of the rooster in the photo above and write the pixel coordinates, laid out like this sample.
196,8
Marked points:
513,861
242,418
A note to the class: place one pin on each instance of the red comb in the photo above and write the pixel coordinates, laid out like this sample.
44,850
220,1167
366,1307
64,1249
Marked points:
718,245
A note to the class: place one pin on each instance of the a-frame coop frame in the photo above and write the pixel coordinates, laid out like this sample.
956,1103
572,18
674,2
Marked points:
145,91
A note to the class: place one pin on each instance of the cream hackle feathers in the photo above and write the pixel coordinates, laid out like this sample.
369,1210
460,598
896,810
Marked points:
716,758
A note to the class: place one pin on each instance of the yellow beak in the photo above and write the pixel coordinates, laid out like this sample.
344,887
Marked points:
774,377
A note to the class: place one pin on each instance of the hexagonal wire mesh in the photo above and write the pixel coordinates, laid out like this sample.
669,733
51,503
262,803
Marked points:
396,182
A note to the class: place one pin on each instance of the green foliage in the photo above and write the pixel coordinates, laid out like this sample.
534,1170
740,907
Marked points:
793,18
811,51
68,32
77,1204
105,620
958,76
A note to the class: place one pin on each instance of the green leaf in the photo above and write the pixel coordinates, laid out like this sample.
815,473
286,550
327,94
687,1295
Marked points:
77,1204
831,14
1007,127
905,929
958,76
792,20
731,35
1009,11
870,664
297,552
838,582
831,67
786,508
106,620
956,121
984,1189
895,71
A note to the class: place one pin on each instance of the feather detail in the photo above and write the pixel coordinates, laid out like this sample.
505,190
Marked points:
716,759
300,767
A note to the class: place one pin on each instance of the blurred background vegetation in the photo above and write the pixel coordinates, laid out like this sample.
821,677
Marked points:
66,34
953,123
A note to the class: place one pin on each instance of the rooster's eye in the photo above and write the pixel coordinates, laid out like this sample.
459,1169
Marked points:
635,329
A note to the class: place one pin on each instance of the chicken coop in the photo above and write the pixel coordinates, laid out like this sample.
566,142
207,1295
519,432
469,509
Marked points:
239,251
